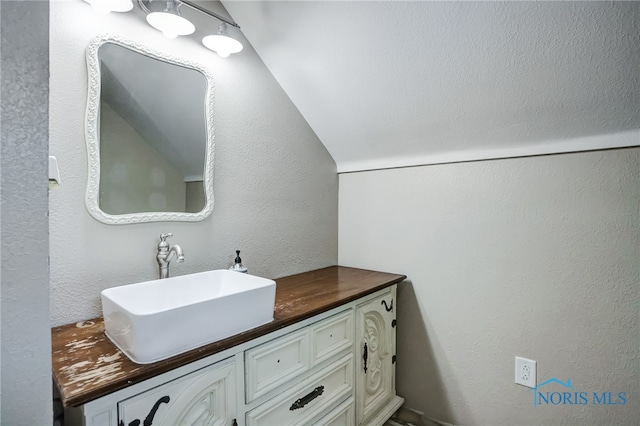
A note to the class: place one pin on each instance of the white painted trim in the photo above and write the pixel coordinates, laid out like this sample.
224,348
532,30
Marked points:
589,143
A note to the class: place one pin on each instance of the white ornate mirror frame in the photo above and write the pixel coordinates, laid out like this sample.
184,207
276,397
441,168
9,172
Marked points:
92,136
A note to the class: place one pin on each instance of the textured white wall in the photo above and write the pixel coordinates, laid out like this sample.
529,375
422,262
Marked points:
275,184
26,339
536,257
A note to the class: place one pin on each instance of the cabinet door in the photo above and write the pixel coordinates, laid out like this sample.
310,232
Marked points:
375,328
206,397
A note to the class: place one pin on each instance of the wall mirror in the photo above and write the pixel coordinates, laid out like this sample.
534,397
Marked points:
149,135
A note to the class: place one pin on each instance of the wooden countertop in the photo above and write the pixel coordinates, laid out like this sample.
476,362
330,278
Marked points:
86,365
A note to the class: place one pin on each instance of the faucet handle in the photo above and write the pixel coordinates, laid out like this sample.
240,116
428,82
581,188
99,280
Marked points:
163,237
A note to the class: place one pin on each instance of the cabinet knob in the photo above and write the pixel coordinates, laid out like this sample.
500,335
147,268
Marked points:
389,307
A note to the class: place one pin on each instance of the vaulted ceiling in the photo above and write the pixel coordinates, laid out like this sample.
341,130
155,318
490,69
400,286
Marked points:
392,83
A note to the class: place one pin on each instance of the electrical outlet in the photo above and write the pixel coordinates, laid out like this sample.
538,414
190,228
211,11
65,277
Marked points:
526,372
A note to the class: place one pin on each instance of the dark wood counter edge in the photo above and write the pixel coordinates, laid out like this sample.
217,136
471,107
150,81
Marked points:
151,370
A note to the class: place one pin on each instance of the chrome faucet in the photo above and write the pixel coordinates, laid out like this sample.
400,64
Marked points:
164,254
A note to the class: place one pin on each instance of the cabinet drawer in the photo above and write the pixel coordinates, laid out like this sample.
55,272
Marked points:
331,336
274,363
278,361
342,415
300,404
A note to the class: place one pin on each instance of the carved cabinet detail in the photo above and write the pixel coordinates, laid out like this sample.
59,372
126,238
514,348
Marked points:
205,397
375,354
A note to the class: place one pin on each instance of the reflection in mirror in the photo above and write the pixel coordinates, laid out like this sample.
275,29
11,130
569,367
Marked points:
152,134
149,135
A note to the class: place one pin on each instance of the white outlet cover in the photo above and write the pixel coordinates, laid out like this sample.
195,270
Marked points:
526,372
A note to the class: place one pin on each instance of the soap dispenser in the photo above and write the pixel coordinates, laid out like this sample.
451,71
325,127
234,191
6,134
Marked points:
238,266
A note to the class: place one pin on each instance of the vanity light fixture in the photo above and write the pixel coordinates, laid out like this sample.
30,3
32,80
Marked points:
103,7
221,42
170,22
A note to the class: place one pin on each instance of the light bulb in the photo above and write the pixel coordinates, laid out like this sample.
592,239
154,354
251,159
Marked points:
221,43
169,33
121,5
103,7
169,22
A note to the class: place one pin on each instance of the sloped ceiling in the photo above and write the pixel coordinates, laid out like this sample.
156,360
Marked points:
392,83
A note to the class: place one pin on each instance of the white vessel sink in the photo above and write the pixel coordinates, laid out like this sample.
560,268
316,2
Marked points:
154,320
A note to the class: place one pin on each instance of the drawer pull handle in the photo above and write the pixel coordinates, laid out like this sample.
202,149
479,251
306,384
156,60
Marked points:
365,357
389,307
148,421
307,398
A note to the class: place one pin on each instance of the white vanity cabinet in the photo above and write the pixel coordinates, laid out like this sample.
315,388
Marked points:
309,373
